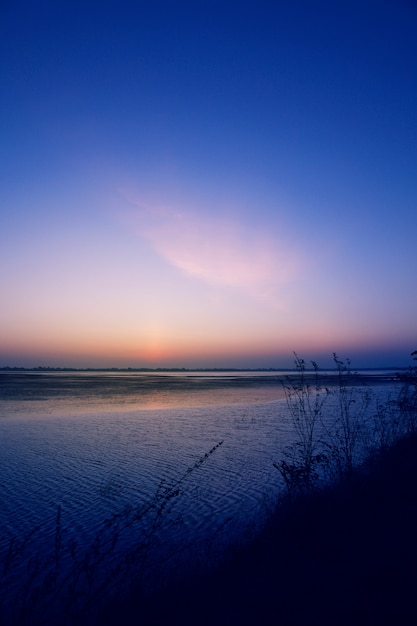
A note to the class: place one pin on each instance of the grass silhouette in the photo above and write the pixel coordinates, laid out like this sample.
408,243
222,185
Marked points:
341,556
69,584
335,553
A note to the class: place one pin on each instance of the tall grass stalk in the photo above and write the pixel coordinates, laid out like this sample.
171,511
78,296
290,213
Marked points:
70,584
347,429
305,400
335,428
407,400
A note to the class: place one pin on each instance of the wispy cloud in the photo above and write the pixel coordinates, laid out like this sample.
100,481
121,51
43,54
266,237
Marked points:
218,250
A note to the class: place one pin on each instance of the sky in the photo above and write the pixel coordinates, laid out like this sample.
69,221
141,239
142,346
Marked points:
207,184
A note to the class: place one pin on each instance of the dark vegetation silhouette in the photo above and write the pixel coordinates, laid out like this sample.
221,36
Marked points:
70,583
333,426
334,553
340,548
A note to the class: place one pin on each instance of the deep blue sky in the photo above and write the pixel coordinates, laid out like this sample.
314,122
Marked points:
206,183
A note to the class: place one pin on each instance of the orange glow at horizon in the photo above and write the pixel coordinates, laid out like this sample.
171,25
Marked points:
159,350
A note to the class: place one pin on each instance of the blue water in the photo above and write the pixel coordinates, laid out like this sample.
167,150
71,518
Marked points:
95,444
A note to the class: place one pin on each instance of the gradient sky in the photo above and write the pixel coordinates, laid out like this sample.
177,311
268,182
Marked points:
207,183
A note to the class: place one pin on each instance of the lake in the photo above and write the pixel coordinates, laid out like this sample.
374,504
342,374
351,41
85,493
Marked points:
153,469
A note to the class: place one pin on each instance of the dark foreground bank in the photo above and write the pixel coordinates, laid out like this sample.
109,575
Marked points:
346,555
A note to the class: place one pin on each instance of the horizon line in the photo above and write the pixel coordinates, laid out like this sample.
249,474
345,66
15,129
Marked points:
47,368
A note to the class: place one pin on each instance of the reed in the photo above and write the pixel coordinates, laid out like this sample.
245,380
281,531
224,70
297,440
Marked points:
69,585
335,429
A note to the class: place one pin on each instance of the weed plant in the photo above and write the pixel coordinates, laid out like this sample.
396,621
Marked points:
334,429
68,586
347,429
407,400
305,398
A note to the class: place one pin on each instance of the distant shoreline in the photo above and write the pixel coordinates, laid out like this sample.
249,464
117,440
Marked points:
191,369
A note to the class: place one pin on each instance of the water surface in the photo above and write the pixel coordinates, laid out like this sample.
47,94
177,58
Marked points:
94,444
